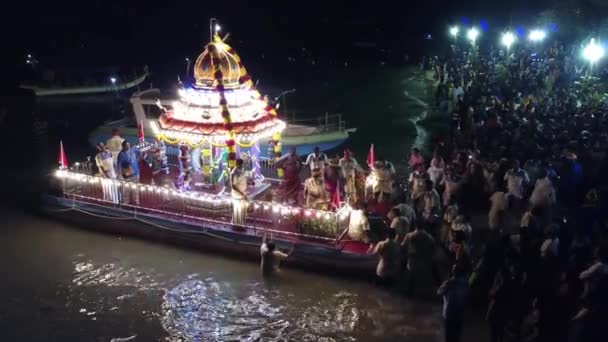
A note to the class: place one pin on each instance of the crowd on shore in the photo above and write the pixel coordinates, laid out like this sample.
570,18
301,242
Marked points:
513,197
529,132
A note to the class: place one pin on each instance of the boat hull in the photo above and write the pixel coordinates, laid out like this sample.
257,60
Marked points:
234,243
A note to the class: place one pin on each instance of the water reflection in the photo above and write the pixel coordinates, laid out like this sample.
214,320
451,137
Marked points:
212,308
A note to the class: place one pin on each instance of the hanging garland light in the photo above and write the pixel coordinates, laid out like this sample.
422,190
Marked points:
219,78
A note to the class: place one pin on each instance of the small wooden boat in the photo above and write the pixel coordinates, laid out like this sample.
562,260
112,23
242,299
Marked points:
81,90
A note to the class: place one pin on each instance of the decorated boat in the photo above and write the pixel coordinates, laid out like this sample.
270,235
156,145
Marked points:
187,197
327,131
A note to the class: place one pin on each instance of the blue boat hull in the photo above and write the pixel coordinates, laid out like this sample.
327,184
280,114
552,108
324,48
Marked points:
303,145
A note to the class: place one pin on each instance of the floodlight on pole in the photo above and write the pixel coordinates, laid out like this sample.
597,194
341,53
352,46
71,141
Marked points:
537,35
454,31
113,80
218,28
508,38
593,52
472,34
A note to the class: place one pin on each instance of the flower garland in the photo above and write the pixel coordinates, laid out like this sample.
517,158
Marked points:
230,135
176,141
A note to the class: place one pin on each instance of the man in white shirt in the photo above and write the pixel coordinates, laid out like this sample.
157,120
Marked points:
349,168
114,144
431,202
543,195
105,164
316,160
358,226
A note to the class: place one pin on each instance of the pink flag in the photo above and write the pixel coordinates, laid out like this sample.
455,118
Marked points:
61,158
371,156
335,201
140,131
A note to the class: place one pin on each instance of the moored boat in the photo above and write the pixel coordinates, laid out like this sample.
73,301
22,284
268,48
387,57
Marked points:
110,85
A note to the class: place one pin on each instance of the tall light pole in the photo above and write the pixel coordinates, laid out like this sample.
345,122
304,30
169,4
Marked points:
454,32
508,38
187,66
472,34
593,52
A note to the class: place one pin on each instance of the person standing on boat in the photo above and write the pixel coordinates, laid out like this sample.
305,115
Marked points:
314,191
238,183
331,178
114,145
128,164
291,183
316,160
271,257
105,165
349,168
185,161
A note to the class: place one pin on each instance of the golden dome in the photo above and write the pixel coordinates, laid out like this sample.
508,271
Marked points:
228,59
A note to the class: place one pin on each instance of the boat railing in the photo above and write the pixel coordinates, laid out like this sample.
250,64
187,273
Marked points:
203,210
328,122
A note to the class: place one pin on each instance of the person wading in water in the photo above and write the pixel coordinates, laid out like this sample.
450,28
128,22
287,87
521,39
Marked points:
271,257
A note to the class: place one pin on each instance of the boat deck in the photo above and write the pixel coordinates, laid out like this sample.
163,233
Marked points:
210,213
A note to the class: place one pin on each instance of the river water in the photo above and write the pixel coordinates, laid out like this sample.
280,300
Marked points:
68,284
64,283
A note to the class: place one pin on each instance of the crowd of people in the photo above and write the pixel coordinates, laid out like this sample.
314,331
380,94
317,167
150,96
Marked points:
527,143
512,199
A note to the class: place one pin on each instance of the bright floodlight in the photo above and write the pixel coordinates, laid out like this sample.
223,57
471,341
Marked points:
217,28
593,52
473,34
454,31
537,35
113,80
508,38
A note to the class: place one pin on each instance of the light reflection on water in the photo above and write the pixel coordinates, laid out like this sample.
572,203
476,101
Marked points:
206,308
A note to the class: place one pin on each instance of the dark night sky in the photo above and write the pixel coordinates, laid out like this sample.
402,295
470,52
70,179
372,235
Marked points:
135,32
